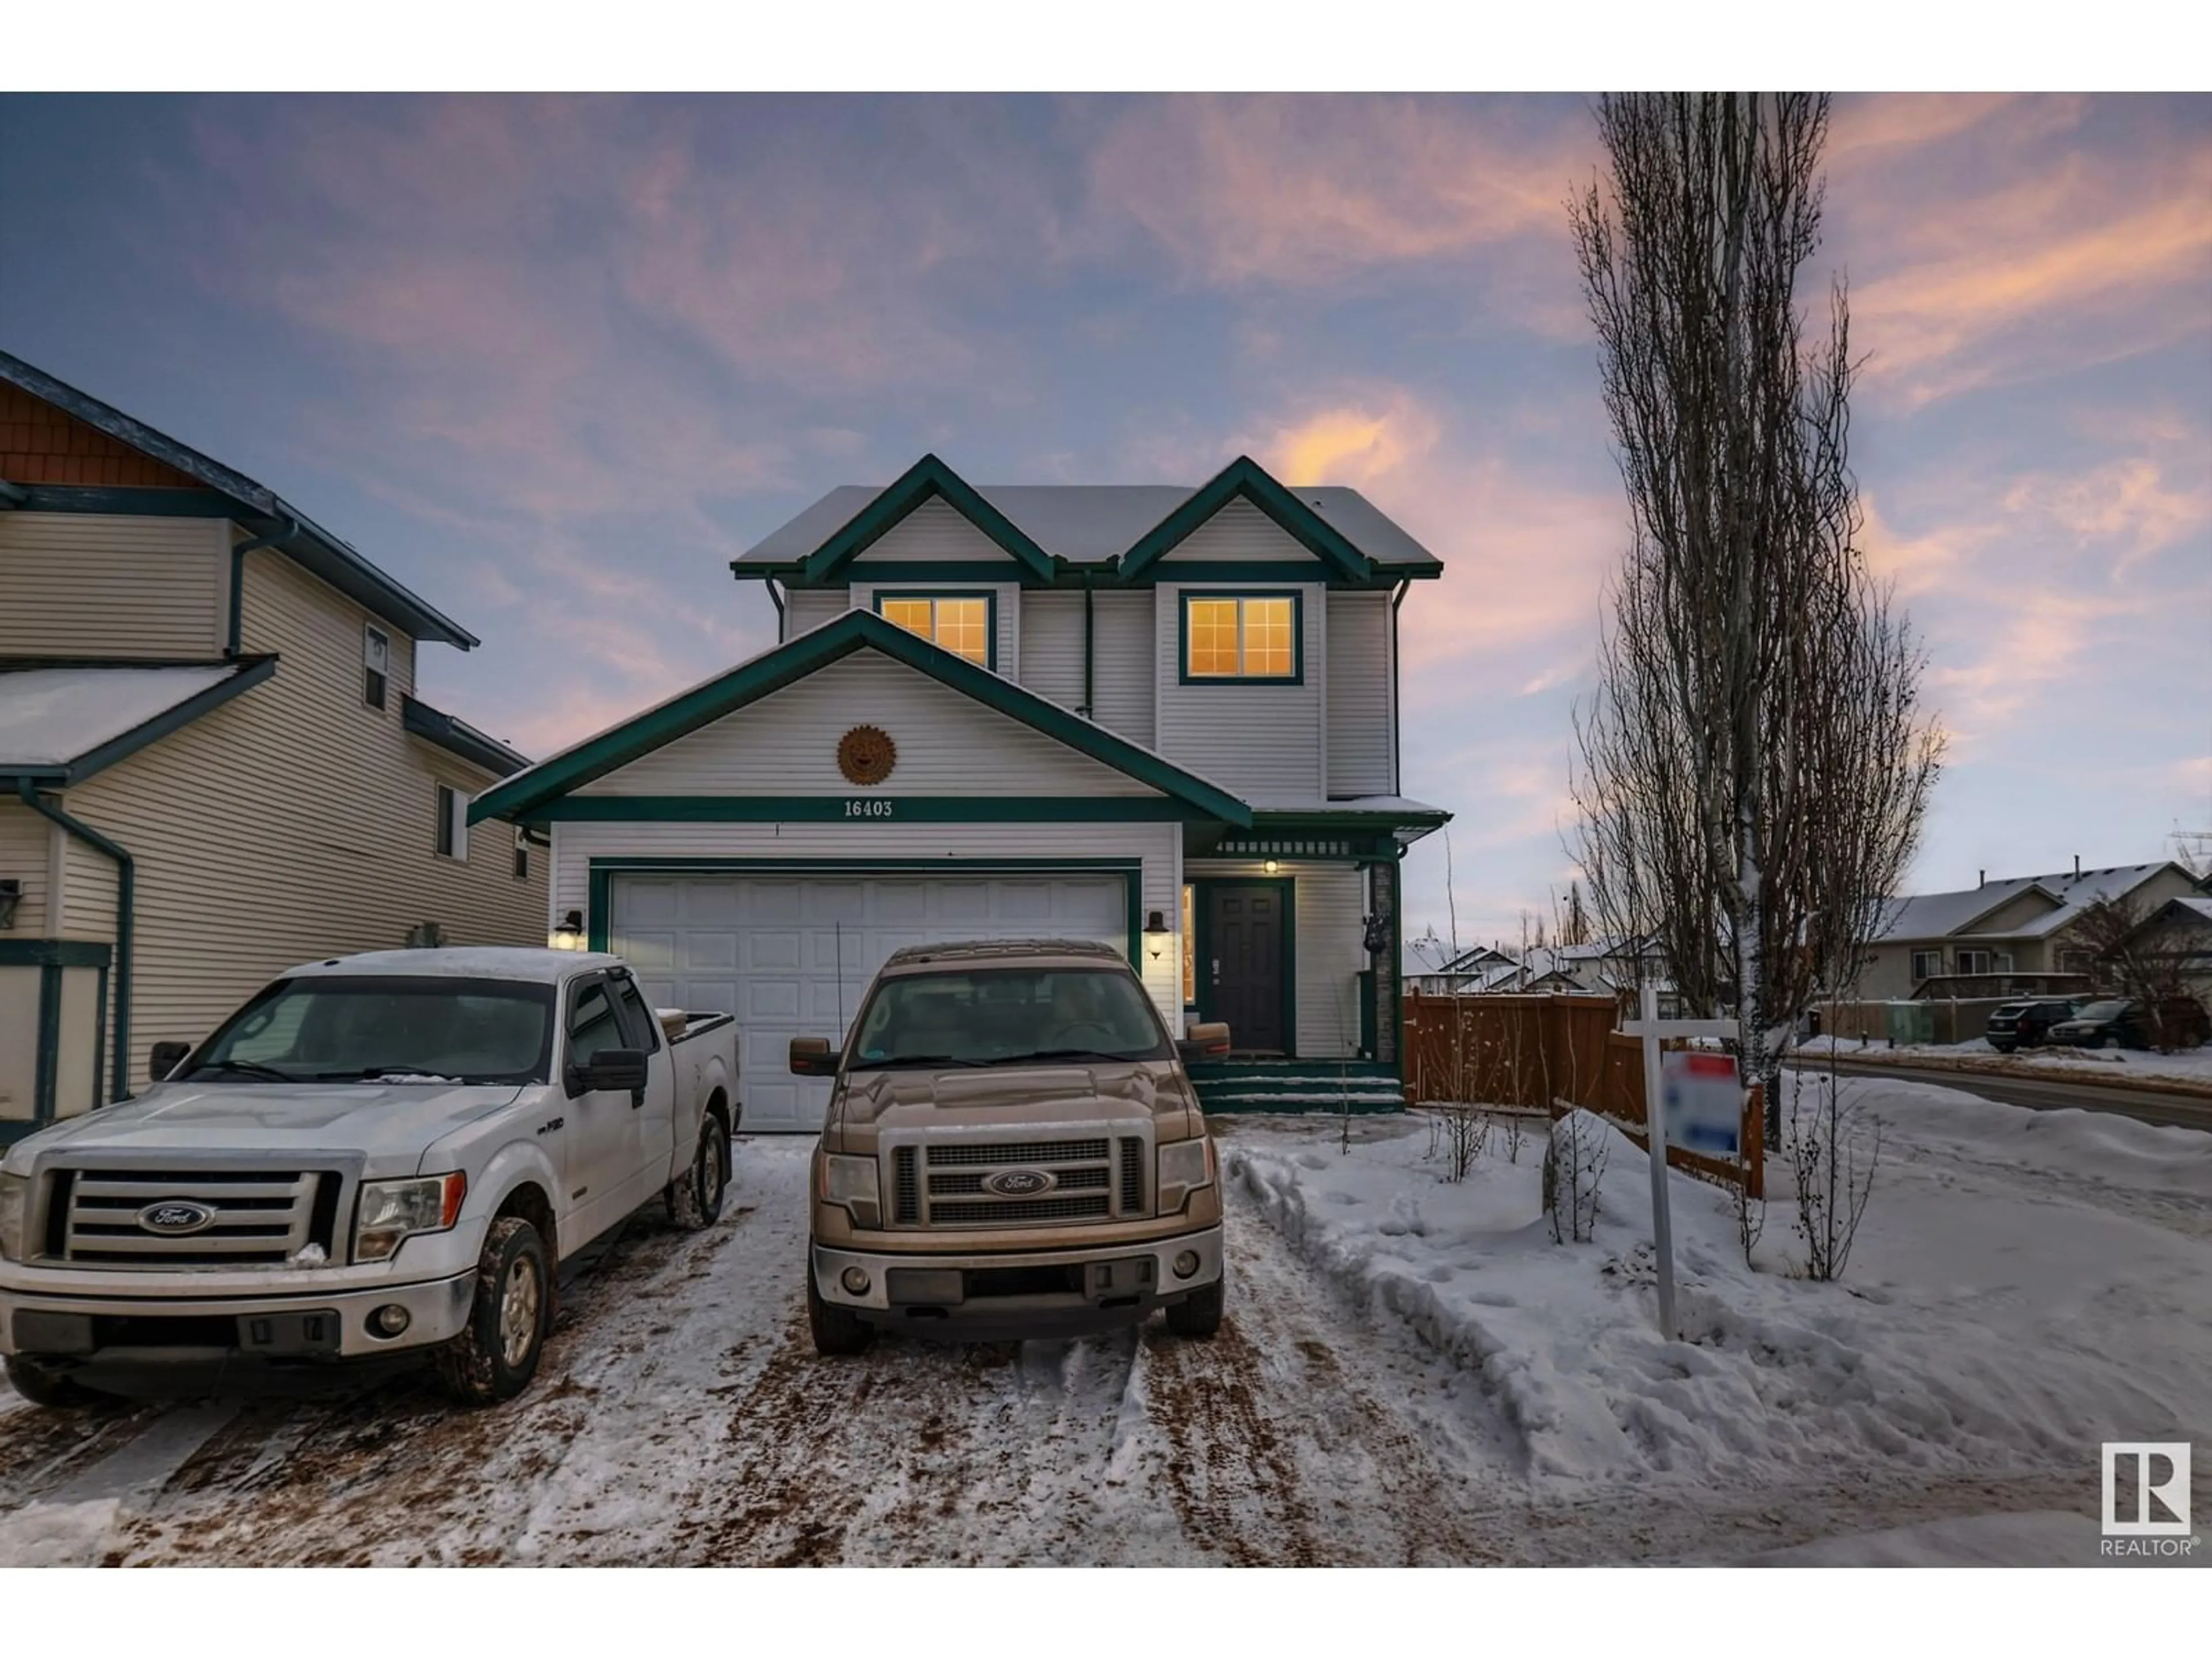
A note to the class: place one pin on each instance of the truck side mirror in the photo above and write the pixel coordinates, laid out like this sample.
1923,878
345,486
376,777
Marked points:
813,1057
617,1071
165,1059
1209,1041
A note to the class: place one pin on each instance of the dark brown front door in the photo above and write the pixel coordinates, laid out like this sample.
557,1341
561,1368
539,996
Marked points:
1243,964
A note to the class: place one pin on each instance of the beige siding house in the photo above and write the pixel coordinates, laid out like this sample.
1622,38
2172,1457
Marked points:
213,763
1161,717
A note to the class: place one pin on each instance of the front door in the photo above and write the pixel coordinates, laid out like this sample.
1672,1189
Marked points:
1244,967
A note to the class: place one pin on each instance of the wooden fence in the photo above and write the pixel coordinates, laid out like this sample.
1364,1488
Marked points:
1551,1053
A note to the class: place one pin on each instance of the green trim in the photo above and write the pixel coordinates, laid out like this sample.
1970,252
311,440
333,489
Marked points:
1102,572
1389,876
1297,674
1202,927
251,670
602,872
965,572
927,479
99,1034
1335,823
1246,478
863,807
55,952
48,1063
990,597
120,499
127,896
521,796
457,736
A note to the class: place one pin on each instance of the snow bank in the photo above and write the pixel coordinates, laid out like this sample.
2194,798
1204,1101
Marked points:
2119,1065
1983,1326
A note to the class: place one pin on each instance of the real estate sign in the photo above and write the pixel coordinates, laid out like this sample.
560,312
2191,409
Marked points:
1703,1103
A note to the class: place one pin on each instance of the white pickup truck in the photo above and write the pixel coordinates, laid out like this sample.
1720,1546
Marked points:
378,1156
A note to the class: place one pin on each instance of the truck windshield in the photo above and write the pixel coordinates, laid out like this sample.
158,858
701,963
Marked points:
383,1029
1004,1016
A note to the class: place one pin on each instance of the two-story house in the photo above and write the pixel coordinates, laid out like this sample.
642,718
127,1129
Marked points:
1161,717
213,765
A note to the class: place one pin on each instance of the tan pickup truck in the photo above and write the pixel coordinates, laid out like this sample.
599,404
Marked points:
1012,1149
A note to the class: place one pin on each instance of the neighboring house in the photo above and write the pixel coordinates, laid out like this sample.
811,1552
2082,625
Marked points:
2179,935
1432,969
1163,717
212,761
2005,938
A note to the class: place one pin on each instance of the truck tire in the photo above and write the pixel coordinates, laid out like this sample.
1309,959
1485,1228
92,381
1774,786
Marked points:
695,1198
497,1351
52,1390
1198,1316
839,1333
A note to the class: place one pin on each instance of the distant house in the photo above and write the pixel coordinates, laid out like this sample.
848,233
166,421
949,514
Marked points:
2179,935
213,765
2009,937
1601,967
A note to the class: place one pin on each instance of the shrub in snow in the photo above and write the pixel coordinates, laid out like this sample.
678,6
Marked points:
1833,1149
1574,1164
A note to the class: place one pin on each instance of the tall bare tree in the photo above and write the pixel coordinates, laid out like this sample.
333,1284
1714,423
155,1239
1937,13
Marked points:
1753,768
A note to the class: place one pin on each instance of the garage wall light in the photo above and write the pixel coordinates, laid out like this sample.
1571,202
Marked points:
569,935
1155,936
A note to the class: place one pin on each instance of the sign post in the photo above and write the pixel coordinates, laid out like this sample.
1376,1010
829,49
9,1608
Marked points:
1650,1027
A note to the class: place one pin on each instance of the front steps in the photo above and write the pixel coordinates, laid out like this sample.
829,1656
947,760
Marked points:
1297,1086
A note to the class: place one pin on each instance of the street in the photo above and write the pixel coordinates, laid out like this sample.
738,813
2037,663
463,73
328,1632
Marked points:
2185,1111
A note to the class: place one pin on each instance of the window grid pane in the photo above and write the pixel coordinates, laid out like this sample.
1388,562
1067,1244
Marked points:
963,628
912,615
1266,638
1214,637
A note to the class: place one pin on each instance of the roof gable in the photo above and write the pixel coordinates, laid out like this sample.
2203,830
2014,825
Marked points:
927,479
60,723
1245,479
785,665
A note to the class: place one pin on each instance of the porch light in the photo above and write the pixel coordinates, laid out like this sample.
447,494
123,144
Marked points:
569,935
1270,866
1155,936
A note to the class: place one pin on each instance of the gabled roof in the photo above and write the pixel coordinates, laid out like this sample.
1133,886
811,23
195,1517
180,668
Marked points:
786,664
927,479
60,723
293,533
1245,479
1945,915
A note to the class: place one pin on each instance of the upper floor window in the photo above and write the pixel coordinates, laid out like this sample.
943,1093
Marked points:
963,623
1241,636
452,841
375,664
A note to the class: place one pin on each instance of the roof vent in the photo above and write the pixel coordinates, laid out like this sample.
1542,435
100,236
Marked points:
2077,867
1981,878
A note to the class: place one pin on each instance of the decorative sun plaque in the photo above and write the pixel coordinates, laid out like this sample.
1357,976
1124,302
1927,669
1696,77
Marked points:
866,754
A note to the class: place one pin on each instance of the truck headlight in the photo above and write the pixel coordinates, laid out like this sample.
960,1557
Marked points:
850,1183
391,1211
1184,1166
14,1205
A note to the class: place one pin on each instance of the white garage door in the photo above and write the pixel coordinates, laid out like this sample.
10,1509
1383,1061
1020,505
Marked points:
767,948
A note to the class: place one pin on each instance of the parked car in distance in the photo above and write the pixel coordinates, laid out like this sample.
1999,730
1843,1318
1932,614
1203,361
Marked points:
378,1156
2027,1023
2107,1023
1012,1149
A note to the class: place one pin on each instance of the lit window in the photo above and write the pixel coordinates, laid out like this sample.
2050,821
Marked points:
962,626
1189,952
1241,638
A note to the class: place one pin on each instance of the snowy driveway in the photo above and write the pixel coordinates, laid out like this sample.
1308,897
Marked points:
681,1417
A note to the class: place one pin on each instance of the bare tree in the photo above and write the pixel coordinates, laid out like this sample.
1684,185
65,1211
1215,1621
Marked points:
1754,765
2139,962
1834,1149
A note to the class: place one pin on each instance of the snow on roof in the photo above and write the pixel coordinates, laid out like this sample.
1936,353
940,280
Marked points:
1936,915
1091,524
538,965
51,716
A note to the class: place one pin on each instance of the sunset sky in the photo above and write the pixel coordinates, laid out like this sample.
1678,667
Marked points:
553,363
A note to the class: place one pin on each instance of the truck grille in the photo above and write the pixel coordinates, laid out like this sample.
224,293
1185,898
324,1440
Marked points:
945,1185
259,1217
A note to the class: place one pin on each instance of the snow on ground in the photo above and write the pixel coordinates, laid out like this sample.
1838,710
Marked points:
2117,1065
2037,1538
1411,1373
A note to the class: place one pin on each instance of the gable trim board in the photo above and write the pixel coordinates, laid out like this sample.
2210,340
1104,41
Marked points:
250,672
927,479
1244,479
524,795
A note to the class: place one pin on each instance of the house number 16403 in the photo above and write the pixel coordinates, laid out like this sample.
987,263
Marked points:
868,809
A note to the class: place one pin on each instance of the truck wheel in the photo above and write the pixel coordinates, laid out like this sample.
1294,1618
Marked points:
695,1198
497,1351
838,1331
1199,1317
41,1386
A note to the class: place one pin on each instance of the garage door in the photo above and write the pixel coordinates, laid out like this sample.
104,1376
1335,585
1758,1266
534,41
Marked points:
768,949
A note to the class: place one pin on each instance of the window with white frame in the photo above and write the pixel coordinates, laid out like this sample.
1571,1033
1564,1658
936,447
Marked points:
375,664
452,841
1977,962
1926,964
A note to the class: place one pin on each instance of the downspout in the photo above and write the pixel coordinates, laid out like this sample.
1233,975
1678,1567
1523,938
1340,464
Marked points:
775,598
1397,714
1085,710
127,884
237,552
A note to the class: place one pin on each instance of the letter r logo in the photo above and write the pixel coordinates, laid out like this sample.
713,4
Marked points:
2161,1481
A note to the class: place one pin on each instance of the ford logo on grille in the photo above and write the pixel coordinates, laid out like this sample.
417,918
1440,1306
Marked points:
1019,1183
175,1217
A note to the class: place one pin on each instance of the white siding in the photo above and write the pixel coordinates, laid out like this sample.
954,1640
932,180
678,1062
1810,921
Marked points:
100,584
787,745
933,532
1123,653
807,609
294,822
1240,531
1328,901
1006,612
1052,646
1158,846
25,844
1359,696
1262,741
